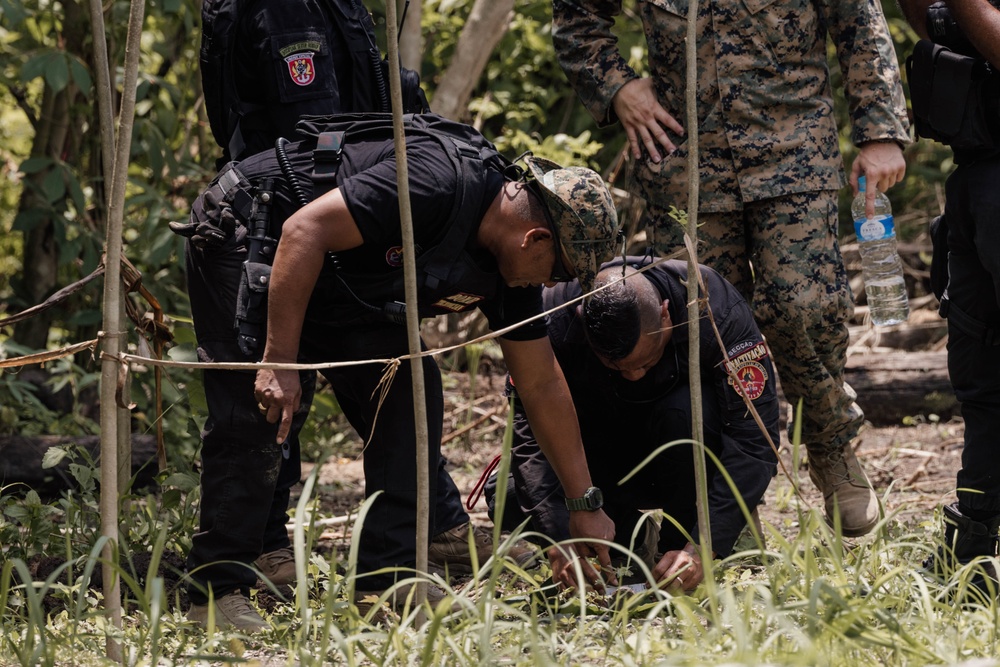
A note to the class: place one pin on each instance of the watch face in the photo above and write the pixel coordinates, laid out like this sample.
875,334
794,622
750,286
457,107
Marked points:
594,498
591,500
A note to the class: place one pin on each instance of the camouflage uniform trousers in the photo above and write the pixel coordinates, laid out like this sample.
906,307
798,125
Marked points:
782,254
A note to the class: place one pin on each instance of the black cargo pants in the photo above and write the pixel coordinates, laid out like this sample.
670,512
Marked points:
973,215
246,477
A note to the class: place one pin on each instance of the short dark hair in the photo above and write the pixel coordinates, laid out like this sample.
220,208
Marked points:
615,317
532,206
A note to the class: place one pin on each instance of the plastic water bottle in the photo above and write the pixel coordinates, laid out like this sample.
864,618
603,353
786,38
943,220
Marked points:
880,264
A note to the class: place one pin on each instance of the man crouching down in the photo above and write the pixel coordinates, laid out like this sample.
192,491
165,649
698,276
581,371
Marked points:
625,355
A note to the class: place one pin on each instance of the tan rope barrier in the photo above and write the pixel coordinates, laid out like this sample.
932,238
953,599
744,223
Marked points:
391,364
53,300
50,355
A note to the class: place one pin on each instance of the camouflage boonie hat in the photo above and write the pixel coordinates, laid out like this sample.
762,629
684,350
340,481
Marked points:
583,214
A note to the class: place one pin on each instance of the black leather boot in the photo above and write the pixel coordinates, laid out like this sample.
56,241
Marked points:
966,540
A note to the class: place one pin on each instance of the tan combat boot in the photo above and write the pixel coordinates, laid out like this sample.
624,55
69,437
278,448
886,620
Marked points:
450,550
277,566
838,474
230,611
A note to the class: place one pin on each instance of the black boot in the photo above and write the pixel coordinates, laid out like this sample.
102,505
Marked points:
966,540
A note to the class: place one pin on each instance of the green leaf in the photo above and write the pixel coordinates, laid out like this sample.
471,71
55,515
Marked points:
166,120
162,247
69,249
29,219
91,256
57,72
16,512
14,12
33,165
76,192
182,480
83,474
87,380
170,499
54,186
81,76
52,457
35,66
143,107
85,318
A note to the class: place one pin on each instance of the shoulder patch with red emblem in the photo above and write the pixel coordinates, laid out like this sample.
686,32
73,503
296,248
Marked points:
744,364
394,256
299,58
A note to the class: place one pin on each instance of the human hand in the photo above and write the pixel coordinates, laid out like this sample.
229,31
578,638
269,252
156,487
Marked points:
585,524
680,569
560,558
278,395
564,559
883,165
644,118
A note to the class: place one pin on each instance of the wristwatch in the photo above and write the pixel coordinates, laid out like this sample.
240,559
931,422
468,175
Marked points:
592,500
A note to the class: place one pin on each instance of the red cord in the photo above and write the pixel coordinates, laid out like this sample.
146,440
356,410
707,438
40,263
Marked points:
480,487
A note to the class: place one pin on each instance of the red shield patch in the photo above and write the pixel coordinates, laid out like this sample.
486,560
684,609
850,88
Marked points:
394,256
301,68
752,380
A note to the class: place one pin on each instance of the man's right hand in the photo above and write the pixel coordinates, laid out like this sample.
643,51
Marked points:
278,395
586,525
644,118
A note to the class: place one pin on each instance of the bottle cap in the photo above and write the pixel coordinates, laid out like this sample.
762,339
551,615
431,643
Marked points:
861,183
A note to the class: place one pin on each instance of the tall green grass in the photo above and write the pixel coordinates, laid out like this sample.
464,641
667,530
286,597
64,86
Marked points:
806,597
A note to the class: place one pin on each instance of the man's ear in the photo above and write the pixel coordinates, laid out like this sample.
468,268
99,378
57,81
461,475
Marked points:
665,310
536,234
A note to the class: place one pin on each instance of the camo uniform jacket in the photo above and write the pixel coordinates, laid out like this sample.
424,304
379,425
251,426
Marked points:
765,106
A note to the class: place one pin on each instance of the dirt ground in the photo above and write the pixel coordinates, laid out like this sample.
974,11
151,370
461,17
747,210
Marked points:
912,466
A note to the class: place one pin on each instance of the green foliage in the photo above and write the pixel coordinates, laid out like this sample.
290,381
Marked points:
809,598
23,412
28,523
523,101
46,58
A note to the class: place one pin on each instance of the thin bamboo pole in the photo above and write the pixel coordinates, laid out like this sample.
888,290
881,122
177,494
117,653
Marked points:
112,336
106,118
412,314
694,302
106,125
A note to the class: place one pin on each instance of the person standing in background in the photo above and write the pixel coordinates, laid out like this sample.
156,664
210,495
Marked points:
770,169
961,39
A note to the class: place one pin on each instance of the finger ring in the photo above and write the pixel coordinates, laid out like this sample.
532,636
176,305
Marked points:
262,408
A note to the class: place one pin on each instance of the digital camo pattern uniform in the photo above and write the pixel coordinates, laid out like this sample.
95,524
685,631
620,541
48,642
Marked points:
770,165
